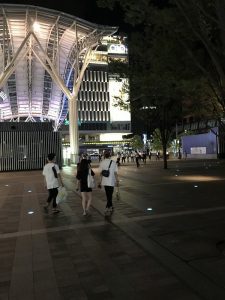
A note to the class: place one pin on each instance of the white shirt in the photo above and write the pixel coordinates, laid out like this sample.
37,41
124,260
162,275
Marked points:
111,180
51,181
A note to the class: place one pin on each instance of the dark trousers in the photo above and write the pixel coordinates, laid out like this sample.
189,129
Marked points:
137,162
52,194
109,192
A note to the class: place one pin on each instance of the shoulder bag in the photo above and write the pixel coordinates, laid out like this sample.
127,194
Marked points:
90,180
105,173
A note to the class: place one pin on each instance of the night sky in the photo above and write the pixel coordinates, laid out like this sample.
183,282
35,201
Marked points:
85,9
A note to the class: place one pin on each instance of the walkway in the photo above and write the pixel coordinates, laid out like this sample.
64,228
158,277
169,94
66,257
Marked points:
165,239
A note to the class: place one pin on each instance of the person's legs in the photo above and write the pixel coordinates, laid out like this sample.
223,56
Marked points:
137,162
54,195
109,193
50,197
89,198
83,196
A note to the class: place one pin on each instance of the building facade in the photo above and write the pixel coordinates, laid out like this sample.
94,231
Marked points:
102,124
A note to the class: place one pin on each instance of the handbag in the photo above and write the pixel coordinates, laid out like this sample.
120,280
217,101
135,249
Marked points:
62,195
105,173
90,180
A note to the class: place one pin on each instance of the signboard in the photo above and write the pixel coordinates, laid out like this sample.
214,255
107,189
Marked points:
198,150
117,48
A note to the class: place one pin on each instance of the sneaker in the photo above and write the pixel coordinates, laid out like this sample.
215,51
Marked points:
55,210
84,213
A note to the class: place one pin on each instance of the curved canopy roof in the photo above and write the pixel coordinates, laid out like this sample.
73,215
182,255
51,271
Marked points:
41,50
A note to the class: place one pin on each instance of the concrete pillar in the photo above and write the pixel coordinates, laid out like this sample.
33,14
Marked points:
73,129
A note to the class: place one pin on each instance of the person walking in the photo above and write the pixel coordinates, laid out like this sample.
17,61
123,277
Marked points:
52,181
137,157
82,185
110,181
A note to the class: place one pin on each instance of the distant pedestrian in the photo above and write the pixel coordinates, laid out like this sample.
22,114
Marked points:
82,185
118,159
144,156
52,180
123,157
157,155
137,157
132,155
108,182
179,154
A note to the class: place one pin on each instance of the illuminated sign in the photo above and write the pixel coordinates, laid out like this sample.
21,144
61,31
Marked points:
117,48
198,150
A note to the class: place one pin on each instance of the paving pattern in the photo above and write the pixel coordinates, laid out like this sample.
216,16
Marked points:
168,252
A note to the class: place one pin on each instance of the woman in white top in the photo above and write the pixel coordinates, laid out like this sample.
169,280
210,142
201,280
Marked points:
110,181
53,180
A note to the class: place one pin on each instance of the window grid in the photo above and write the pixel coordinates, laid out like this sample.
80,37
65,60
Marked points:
93,97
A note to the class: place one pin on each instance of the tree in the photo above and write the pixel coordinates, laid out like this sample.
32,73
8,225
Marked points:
203,38
136,142
173,75
156,144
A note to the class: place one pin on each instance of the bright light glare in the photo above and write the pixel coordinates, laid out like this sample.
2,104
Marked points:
30,212
111,137
195,186
6,185
149,208
176,175
36,27
29,191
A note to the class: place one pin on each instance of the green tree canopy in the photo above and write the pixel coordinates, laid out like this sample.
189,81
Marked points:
176,60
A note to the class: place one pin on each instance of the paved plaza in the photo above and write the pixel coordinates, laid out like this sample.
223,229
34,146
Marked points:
165,239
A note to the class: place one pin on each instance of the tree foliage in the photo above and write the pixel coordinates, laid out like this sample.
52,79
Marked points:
177,50
136,142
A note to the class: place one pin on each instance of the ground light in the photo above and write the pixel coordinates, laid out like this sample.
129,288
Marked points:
30,212
198,178
149,208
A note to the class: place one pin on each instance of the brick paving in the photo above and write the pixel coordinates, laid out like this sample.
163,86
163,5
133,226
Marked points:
169,252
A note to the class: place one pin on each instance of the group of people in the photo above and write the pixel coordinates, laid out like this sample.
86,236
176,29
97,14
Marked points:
133,156
53,180
108,182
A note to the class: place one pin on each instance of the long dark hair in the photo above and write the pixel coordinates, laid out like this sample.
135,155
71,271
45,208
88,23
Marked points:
83,165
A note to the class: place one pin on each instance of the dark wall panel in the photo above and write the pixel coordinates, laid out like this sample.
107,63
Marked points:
25,146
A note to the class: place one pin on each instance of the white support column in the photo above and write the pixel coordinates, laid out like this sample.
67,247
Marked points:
73,111
73,129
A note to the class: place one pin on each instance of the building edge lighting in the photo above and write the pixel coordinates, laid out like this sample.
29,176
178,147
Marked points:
40,48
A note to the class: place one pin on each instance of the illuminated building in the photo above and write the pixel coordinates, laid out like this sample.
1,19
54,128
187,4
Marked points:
43,56
101,123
